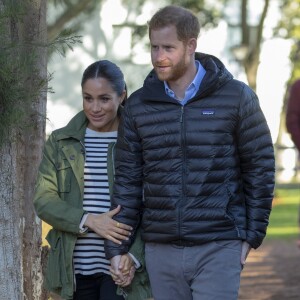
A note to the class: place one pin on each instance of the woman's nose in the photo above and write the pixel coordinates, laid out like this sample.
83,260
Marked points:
96,106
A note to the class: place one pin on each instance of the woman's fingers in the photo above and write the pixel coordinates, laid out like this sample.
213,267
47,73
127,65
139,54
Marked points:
121,226
105,226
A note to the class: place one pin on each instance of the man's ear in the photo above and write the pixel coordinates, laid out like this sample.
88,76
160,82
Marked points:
192,45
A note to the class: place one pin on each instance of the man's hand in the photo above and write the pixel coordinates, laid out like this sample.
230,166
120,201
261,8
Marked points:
106,227
245,251
114,269
125,269
126,266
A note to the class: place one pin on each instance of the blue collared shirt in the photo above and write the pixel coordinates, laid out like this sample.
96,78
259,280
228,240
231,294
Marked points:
192,88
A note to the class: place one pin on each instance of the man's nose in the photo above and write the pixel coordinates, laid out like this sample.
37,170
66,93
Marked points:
160,55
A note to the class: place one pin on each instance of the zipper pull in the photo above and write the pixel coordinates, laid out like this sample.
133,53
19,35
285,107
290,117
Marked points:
181,116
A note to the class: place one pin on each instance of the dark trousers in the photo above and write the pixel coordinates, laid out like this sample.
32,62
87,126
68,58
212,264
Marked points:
95,287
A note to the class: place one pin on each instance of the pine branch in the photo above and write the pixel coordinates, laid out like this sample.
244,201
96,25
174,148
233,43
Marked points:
68,15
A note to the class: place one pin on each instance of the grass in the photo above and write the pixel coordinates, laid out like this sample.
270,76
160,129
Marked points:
284,215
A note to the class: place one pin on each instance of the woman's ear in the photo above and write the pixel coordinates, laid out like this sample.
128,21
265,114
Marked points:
123,96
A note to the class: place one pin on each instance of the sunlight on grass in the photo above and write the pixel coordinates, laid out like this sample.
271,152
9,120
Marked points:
284,215
282,231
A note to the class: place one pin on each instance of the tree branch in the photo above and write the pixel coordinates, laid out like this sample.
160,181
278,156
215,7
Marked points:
69,14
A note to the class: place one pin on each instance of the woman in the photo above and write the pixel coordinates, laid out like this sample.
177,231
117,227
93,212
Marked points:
73,191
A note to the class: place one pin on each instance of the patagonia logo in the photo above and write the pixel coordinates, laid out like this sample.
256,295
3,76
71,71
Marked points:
207,112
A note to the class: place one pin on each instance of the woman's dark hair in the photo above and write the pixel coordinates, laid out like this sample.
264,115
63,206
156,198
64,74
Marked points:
108,70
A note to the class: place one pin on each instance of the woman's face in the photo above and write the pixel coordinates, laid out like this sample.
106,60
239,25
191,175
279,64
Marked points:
100,104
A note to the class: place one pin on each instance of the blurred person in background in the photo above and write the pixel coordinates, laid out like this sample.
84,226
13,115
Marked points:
293,122
73,196
194,159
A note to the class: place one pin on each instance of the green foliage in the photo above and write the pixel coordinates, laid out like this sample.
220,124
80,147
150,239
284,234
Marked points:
63,42
68,17
19,80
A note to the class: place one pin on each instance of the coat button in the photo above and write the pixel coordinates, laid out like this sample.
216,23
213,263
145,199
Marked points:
72,157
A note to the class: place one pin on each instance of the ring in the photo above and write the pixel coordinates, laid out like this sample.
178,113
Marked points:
118,225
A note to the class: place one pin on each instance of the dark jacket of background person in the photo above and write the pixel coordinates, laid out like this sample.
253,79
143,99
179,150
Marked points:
203,171
58,201
293,113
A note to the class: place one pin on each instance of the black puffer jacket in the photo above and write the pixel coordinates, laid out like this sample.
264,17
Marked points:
199,172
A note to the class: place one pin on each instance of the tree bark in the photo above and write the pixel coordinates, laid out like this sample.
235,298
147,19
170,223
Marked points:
251,63
20,154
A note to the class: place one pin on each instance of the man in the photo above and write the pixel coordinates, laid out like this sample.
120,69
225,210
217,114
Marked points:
195,159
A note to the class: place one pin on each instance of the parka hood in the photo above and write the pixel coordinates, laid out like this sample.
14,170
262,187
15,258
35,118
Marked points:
216,76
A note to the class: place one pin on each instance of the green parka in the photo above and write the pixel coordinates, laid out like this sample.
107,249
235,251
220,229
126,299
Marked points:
58,201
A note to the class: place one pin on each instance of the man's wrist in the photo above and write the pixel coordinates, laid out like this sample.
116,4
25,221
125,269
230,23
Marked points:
137,264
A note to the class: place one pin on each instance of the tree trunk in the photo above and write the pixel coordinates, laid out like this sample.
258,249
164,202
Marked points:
20,154
251,63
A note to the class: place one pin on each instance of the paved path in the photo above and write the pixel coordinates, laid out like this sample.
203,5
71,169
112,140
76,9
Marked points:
272,272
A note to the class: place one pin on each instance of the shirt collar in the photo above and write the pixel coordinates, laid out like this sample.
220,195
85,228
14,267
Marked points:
192,88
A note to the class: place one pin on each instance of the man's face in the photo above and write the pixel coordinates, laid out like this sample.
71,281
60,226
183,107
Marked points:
169,56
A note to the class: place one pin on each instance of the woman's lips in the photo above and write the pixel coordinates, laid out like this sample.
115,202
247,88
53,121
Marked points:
97,118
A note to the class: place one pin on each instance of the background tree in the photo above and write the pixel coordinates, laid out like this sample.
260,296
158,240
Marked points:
65,21
23,82
289,28
248,48
252,43
71,14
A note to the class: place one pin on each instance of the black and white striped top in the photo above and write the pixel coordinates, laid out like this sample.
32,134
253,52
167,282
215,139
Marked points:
89,256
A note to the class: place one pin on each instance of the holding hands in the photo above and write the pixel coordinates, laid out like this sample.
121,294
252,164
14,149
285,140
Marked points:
122,269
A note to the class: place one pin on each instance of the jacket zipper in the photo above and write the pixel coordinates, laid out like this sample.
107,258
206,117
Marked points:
183,169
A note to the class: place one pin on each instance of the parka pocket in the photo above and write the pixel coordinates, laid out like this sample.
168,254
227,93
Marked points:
56,275
64,172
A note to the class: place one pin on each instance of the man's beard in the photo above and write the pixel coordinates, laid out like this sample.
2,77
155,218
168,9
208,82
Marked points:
175,72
